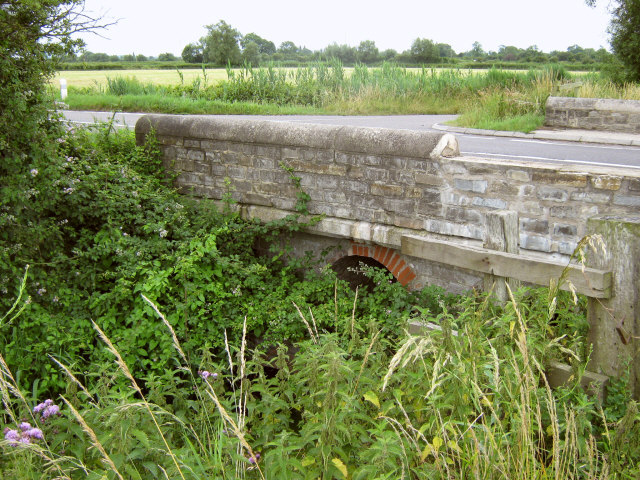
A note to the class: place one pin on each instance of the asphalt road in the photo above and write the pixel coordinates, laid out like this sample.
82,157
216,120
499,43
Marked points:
526,150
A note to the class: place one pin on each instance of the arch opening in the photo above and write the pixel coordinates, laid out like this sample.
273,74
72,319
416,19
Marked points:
350,269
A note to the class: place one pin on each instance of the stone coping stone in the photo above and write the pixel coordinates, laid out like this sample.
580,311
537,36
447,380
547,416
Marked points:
348,139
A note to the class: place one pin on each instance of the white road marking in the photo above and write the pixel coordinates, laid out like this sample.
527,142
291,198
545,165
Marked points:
526,157
582,145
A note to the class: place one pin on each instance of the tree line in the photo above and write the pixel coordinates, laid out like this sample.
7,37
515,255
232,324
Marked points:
224,45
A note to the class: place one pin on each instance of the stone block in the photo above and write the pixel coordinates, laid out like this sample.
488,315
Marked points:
535,242
494,203
504,189
405,207
606,182
534,225
591,197
564,229
568,179
626,200
354,186
434,180
454,229
519,175
375,174
462,215
386,190
476,186
552,194
567,248
447,197
191,143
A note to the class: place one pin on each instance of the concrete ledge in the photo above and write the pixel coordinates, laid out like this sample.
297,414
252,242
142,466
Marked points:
612,115
347,139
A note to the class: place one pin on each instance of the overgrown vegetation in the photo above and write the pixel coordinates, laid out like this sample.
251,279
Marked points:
142,337
496,99
167,344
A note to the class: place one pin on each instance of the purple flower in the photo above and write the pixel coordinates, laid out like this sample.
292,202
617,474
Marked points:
11,435
35,433
51,410
41,406
204,374
24,426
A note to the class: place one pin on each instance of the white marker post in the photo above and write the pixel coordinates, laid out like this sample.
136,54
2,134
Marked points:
63,88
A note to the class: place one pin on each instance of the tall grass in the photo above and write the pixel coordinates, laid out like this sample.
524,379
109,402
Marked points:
469,400
495,99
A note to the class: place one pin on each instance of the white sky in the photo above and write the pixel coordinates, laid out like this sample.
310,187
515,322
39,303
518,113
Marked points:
151,27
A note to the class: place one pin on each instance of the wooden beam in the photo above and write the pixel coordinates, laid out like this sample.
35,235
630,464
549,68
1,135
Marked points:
588,281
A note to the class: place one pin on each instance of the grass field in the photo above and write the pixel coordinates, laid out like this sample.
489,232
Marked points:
92,78
491,99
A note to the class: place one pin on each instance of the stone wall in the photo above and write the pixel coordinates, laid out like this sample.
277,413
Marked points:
374,185
622,116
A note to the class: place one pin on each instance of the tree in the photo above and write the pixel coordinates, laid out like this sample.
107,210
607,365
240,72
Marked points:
221,44
345,53
167,57
35,35
192,53
368,52
625,35
424,51
288,48
265,47
251,53
445,50
476,51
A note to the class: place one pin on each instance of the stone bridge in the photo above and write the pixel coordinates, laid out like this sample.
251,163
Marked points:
408,201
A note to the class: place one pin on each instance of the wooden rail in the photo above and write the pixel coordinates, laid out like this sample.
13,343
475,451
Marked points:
588,281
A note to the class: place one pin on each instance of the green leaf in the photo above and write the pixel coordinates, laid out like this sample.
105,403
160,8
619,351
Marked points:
340,466
141,437
373,398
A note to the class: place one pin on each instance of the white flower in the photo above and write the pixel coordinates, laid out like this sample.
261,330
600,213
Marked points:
163,233
34,172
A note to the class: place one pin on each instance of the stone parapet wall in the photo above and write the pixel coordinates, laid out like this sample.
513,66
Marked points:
381,181
622,116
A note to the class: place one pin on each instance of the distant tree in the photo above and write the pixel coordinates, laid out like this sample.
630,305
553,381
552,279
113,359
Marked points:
445,51
389,54
141,58
345,53
476,51
424,51
251,53
129,58
509,53
192,53
167,57
288,48
367,52
265,47
221,44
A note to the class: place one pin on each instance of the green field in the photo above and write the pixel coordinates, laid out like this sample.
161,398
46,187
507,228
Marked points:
91,78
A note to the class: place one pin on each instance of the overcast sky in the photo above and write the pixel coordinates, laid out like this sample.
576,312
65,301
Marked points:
151,27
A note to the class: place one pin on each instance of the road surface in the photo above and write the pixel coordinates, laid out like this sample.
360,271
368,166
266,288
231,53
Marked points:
522,149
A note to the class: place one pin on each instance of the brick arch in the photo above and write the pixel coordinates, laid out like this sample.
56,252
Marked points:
388,257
